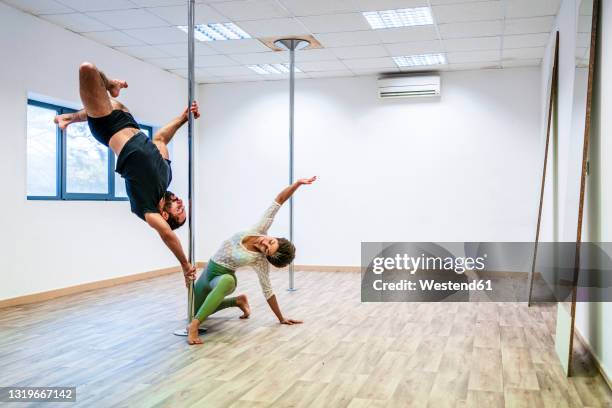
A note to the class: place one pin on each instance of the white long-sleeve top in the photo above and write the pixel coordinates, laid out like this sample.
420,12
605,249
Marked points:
233,254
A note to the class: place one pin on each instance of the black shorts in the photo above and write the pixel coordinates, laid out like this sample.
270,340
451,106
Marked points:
105,127
147,174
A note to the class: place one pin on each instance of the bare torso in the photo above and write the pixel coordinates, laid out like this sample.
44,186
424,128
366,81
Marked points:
120,138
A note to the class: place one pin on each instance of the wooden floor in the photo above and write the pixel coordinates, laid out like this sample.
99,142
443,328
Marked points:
115,345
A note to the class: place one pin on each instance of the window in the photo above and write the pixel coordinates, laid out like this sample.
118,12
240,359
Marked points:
86,163
42,143
69,164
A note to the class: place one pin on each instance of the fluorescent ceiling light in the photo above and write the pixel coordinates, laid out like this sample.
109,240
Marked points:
399,18
217,32
267,69
420,60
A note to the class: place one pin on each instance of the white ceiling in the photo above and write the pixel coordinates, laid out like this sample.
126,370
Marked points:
474,34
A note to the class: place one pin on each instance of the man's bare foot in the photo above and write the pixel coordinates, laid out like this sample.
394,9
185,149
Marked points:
115,86
243,303
192,332
63,120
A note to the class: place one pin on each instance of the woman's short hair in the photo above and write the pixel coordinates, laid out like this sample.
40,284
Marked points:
284,255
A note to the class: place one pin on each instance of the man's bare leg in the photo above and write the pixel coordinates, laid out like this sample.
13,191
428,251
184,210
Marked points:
94,88
66,119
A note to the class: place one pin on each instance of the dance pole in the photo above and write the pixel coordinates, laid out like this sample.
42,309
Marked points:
191,172
190,144
291,44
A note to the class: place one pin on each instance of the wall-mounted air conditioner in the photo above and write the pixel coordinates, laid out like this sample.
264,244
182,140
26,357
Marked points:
409,86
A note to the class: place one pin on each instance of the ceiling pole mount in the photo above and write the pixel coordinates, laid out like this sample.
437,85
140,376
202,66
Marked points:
292,44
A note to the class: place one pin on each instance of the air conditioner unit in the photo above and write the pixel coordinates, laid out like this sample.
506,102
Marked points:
412,86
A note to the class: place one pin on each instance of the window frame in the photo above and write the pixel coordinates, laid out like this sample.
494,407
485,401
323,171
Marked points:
58,151
61,166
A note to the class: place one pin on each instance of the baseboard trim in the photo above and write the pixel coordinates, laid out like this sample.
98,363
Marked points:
594,357
85,287
71,290
326,268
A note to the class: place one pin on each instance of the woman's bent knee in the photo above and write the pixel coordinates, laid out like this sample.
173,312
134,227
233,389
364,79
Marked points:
227,282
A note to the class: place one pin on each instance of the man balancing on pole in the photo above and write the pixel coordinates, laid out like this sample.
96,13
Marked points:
143,163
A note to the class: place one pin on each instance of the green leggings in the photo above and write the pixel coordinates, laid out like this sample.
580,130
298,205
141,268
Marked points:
211,288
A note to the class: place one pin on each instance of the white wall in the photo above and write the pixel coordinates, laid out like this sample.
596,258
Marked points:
53,244
460,168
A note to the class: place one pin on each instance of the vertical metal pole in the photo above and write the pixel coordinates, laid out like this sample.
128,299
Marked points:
291,113
291,44
191,225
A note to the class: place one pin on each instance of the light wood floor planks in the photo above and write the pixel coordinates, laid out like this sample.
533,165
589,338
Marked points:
115,345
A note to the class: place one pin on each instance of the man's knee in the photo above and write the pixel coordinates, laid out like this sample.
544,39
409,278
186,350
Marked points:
118,105
87,68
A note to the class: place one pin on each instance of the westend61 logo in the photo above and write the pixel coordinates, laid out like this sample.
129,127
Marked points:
421,272
437,277
485,271
405,262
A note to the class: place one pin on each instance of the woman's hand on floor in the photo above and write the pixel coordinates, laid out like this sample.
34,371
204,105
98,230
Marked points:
291,321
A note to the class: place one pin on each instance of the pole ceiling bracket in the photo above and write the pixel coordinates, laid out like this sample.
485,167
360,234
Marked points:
302,42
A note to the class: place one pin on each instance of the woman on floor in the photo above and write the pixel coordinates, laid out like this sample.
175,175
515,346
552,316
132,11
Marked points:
248,248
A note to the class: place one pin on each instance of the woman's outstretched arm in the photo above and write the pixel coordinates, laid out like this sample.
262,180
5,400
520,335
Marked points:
288,191
263,274
276,310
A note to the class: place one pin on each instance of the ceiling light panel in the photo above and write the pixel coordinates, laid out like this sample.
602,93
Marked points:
399,18
267,69
217,32
420,60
